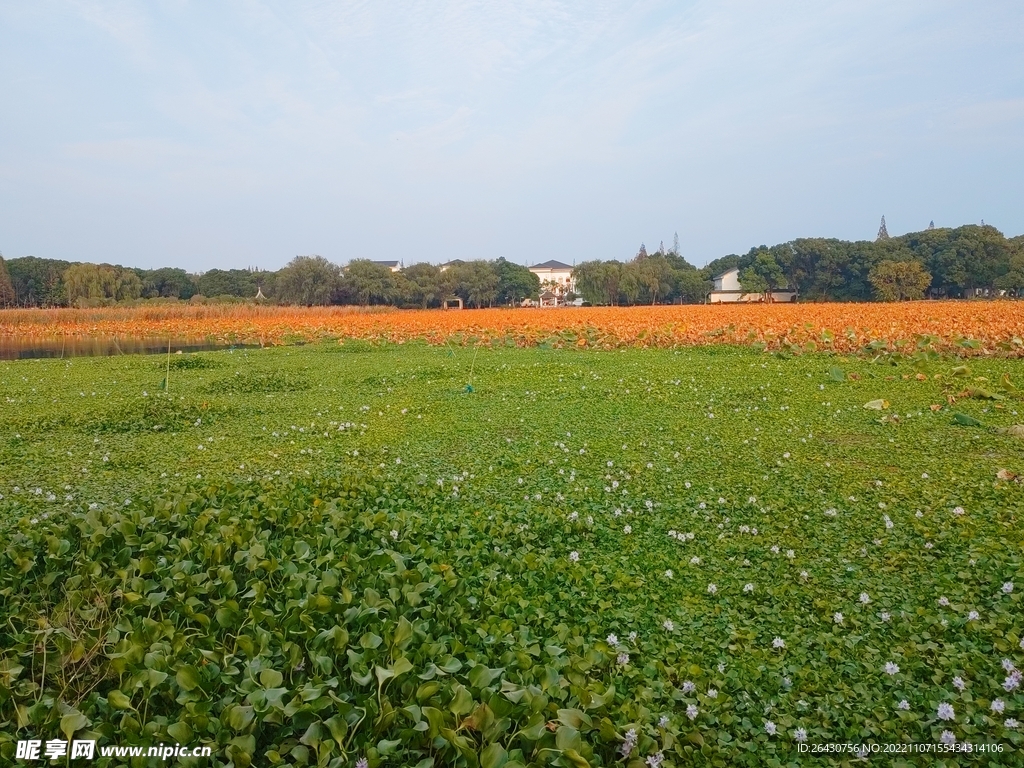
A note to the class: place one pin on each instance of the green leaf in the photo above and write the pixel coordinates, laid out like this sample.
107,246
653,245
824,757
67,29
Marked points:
403,633
835,373
73,721
493,756
338,728
481,676
239,717
963,420
180,731
271,678
118,700
187,677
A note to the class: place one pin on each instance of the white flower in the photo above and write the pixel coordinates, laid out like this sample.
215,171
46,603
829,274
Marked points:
632,637
1007,587
1012,682
775,549
628,743
394,534
694,560
612,640
790,554
669,574
668,625
574,556
891,668
655,760
800,735
688,687
904,704
837,617
958,683
770,728
362,762
778,642
627,529
948,737
721,667
973,616
712,693
884,616
998,705
663,721
748,587
945,711
1008,665
804,575
692,711
1010,723
958,510
622,659
943,601
712,589
864,598
919,514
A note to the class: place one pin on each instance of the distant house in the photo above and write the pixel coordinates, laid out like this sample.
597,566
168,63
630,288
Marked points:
555,276
453,263
729,291
394,266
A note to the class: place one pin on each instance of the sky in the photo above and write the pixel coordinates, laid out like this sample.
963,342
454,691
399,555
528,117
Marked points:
243,133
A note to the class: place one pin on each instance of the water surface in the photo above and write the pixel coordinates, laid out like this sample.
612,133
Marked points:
28,348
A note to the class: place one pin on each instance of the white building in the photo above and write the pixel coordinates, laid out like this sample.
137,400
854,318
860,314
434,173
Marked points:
394,266
555,276
729,291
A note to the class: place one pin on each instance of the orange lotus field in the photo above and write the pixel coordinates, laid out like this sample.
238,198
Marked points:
969,326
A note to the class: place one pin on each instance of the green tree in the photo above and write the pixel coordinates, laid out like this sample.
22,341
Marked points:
476,282
38,282
423,284
589,277
368,282
100,282
228,282
655,276
899,280
7,295
691,285
168,283
515,282
629,281
308,281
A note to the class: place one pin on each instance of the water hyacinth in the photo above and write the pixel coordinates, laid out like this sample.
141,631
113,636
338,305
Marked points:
502,575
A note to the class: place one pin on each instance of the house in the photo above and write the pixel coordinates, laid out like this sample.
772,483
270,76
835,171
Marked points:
453,263
394,266
556,276
729,291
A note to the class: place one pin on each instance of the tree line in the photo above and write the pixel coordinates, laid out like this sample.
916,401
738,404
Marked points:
305,280
937,262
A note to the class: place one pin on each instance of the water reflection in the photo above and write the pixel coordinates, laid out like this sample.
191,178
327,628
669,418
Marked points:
30,348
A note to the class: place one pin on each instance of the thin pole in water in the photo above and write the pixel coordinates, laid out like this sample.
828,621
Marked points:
167,373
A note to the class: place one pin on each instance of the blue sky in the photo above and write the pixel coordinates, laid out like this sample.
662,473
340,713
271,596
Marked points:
244,133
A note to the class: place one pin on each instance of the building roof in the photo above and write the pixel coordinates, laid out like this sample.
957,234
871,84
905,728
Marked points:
453,263
548,295
387,263
552,265
719,277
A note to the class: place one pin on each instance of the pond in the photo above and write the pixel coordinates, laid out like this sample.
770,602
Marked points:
28,348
